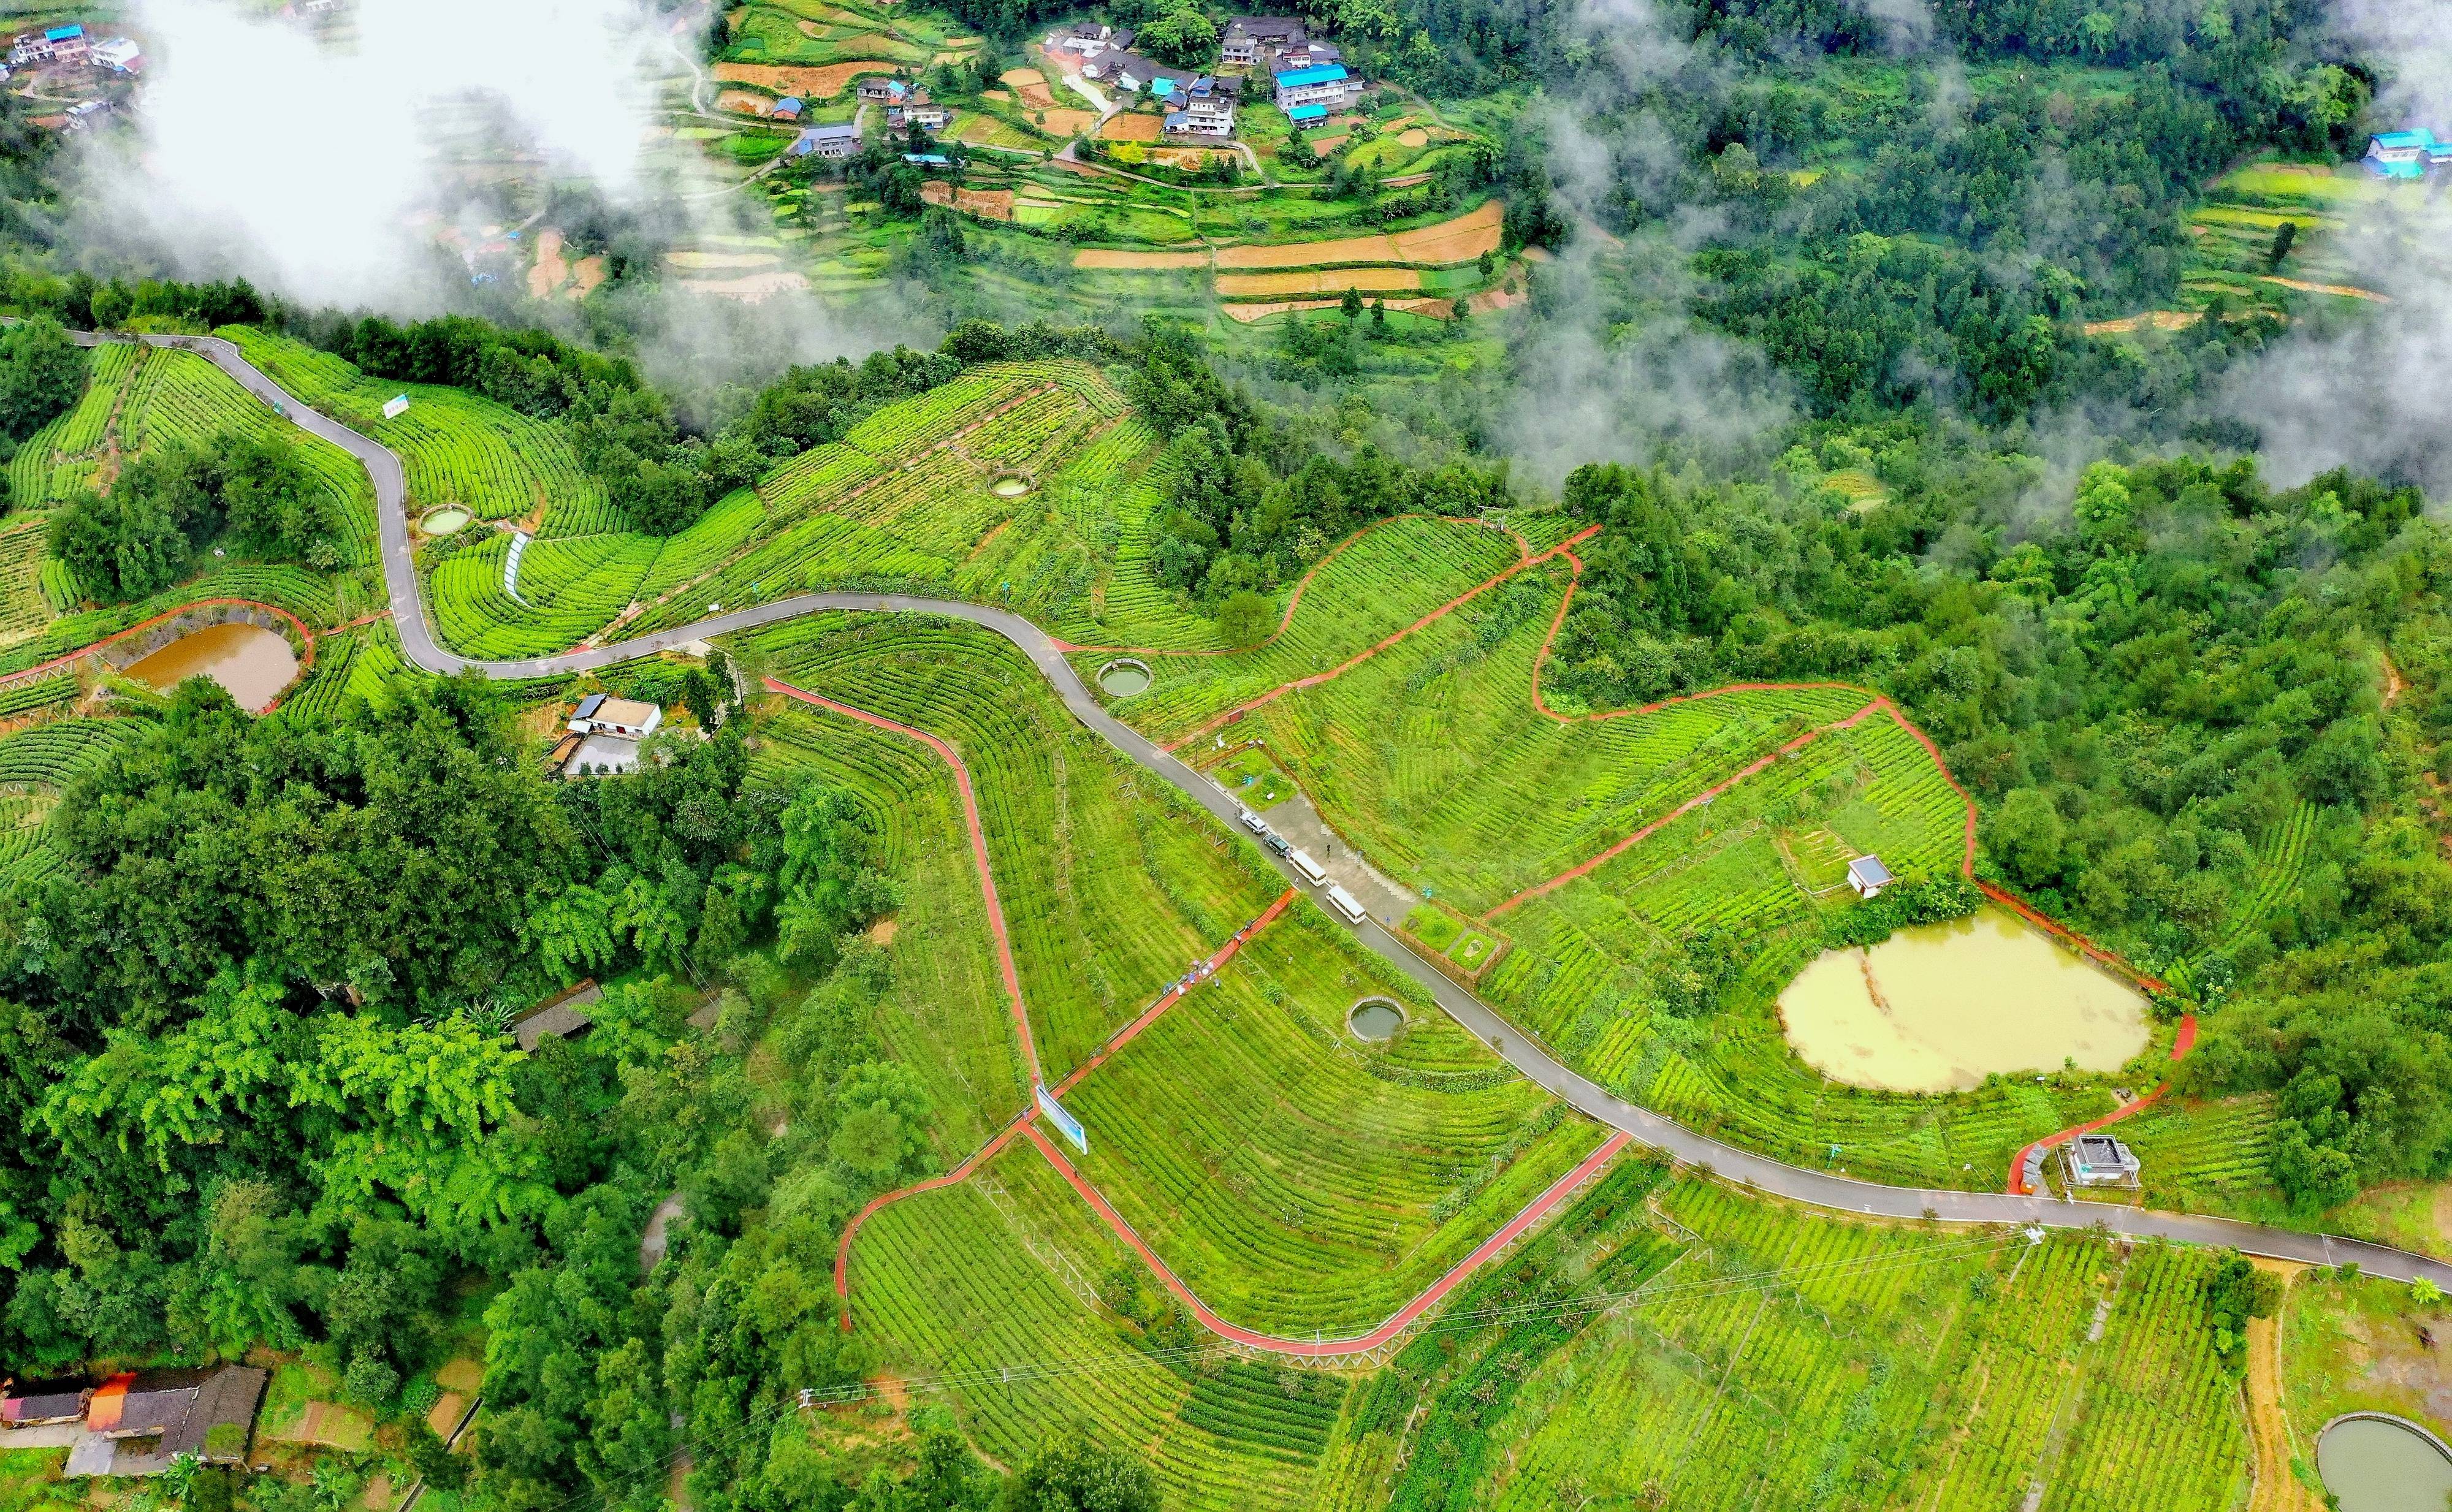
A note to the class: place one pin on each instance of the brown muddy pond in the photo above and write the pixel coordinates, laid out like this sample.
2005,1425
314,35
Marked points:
249,662
1940,1007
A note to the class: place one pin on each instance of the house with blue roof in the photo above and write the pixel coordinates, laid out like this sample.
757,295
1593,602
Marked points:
1323,84
2405,154
787,108
58,45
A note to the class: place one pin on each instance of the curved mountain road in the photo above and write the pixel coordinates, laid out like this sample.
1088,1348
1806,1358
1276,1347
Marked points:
1819,1189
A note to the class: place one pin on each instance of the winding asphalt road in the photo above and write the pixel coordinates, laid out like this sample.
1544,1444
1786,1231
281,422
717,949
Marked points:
1819,1189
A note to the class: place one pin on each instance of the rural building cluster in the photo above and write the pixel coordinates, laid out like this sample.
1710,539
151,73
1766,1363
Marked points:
68,58
137,1422
1307,77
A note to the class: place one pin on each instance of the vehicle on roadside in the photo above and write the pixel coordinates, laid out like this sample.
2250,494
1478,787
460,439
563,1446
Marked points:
1311,870
1252,822
1348,906
1276,843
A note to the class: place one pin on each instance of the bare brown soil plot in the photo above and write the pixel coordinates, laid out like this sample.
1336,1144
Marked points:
818,82
1131,125
1467,236
1232,285
741,101
2159,320
1064,121
550,271
1029,85
992,204
1104,258
748,290
1458,240
586,274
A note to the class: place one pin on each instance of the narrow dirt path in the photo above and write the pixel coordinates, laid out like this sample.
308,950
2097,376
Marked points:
2277,1488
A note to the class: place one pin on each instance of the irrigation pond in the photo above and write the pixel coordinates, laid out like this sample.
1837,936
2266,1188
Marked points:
1940,1007
253,664
1375,1019
2372,1462
1121,679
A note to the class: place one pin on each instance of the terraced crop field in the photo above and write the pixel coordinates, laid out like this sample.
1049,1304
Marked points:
179,396
1786,1360
36,765
456,446
1008,1266
945,1014
1111,884
1432,757
1295,1180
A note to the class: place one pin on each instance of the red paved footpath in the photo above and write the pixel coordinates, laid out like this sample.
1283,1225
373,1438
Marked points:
1360,656
2180,1044
1175,995
1334,1349
1122,1037
1523,549
305,664
978,853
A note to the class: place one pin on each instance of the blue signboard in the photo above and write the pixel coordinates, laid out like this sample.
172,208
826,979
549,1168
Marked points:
1062,1119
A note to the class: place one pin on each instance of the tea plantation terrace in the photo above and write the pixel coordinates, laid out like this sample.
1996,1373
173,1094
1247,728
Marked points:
1840,1193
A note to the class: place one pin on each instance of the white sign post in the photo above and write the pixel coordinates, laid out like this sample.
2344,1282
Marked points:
1066,1123
397,407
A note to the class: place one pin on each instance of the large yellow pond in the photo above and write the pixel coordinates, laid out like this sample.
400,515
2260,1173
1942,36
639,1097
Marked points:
252,662
1940,1007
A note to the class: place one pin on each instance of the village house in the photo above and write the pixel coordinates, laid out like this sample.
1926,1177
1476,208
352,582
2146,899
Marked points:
908,105
839,140
1087,39
1134,74
876,89
119,54
602,714
36,1404
2405,154
1247,37
1868,876
1325,85
140,1424
1204,112
786,109
59,45
2099,1160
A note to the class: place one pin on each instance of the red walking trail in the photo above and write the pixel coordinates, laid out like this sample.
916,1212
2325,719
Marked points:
1360,656
1406,1315
306,662
1523,549
2182,1043
979,853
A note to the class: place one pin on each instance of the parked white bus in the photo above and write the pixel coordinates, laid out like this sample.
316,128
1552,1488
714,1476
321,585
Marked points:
1347,904
1308,870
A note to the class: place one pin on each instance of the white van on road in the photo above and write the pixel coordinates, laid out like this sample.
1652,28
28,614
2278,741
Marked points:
1348,906
1311,870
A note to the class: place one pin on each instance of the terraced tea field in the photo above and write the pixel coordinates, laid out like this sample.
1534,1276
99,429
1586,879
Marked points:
1770,1359
1008,1266
945,1015
1295,1180
1110,885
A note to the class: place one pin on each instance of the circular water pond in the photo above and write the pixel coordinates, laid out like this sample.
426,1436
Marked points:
249,662
2373,1463
445,520
1012,485
1375,1019
1940,1007
1123,679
